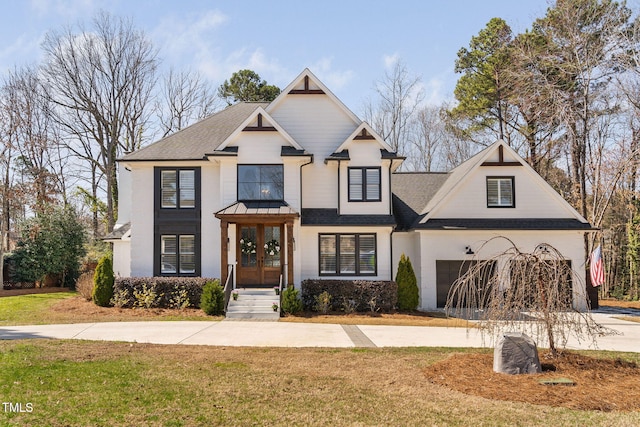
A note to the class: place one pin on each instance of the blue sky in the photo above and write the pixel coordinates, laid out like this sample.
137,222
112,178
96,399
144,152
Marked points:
347,44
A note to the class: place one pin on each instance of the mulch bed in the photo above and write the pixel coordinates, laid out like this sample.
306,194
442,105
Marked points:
600,384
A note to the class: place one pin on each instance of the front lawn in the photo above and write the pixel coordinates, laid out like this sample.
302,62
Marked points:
69,307
77,383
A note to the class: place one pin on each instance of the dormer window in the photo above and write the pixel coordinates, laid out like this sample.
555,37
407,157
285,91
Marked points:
260,182
500,192
364,184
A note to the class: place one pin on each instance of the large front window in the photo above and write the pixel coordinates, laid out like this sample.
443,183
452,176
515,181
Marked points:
260,182
178,254
348,254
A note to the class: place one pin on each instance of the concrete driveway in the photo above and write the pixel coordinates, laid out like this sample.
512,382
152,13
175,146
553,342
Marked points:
283,334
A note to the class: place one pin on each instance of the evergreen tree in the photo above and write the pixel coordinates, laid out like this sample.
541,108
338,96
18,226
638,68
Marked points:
103,280
408,296
245,85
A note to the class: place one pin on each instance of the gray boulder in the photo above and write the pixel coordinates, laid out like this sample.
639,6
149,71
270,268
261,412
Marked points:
516,353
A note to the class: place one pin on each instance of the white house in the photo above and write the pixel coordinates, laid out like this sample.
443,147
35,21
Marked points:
304,188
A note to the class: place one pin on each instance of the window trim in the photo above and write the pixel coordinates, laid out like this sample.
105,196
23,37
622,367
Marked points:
363,174
177,207
258,165
513,192
177,235
358,269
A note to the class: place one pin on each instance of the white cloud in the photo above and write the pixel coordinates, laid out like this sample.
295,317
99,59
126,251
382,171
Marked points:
390,60
191,36
334,79
68,9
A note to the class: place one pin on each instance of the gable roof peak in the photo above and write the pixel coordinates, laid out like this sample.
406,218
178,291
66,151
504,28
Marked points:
311,85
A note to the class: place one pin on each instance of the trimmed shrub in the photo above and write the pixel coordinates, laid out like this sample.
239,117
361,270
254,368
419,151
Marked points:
103,282
212,300
358,295
171,292
291,304
323,302
408,296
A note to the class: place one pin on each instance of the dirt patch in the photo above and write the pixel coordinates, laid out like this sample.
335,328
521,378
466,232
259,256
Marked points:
79,308
416,318
619,303
599,384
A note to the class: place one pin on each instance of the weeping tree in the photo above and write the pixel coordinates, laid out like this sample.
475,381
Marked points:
529,292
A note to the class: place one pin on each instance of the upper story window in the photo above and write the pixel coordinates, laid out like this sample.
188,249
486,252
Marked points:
260,182
177,188
500,192
364,184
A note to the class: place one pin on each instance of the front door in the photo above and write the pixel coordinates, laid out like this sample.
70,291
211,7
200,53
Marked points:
259,254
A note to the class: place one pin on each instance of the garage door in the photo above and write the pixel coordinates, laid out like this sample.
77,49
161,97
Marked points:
447,272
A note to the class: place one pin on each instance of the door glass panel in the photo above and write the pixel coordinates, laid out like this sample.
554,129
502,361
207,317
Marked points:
272,246
248,246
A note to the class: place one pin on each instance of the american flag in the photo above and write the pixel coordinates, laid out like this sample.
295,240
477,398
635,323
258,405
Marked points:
596,267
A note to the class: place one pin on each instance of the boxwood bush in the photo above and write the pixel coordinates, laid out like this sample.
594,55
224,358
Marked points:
170,292
358,295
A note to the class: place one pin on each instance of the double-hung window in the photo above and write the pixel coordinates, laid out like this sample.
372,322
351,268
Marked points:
500,192
348,255
177,188
364,184
178,254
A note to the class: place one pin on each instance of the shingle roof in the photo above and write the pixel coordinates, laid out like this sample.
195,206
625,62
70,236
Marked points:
119,232
505,224
199,139
318,216
411,193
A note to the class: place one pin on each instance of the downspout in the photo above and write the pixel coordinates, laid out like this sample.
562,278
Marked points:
339,212
301,166
393,229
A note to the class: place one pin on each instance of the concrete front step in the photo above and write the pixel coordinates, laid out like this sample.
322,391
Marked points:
253,304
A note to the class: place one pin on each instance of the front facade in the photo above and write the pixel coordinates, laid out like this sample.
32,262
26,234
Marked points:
301,188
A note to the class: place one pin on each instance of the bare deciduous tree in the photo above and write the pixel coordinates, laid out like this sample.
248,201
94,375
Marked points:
185,97
530,292
101,81
400,94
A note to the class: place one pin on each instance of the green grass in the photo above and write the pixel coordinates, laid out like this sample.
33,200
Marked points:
80,383
69,307
29,309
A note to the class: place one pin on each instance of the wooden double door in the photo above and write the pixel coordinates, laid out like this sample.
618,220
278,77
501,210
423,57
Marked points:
260,254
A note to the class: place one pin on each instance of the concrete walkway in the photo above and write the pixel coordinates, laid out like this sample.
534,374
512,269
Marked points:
284,334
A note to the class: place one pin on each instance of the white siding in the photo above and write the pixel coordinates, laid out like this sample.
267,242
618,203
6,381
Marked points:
365,154
122,258
533,198
450,245
124,194
320,126
210,203
142,220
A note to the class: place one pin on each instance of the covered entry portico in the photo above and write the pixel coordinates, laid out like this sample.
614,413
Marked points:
263,242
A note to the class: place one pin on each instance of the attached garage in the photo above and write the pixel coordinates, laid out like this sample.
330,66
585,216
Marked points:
448,271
